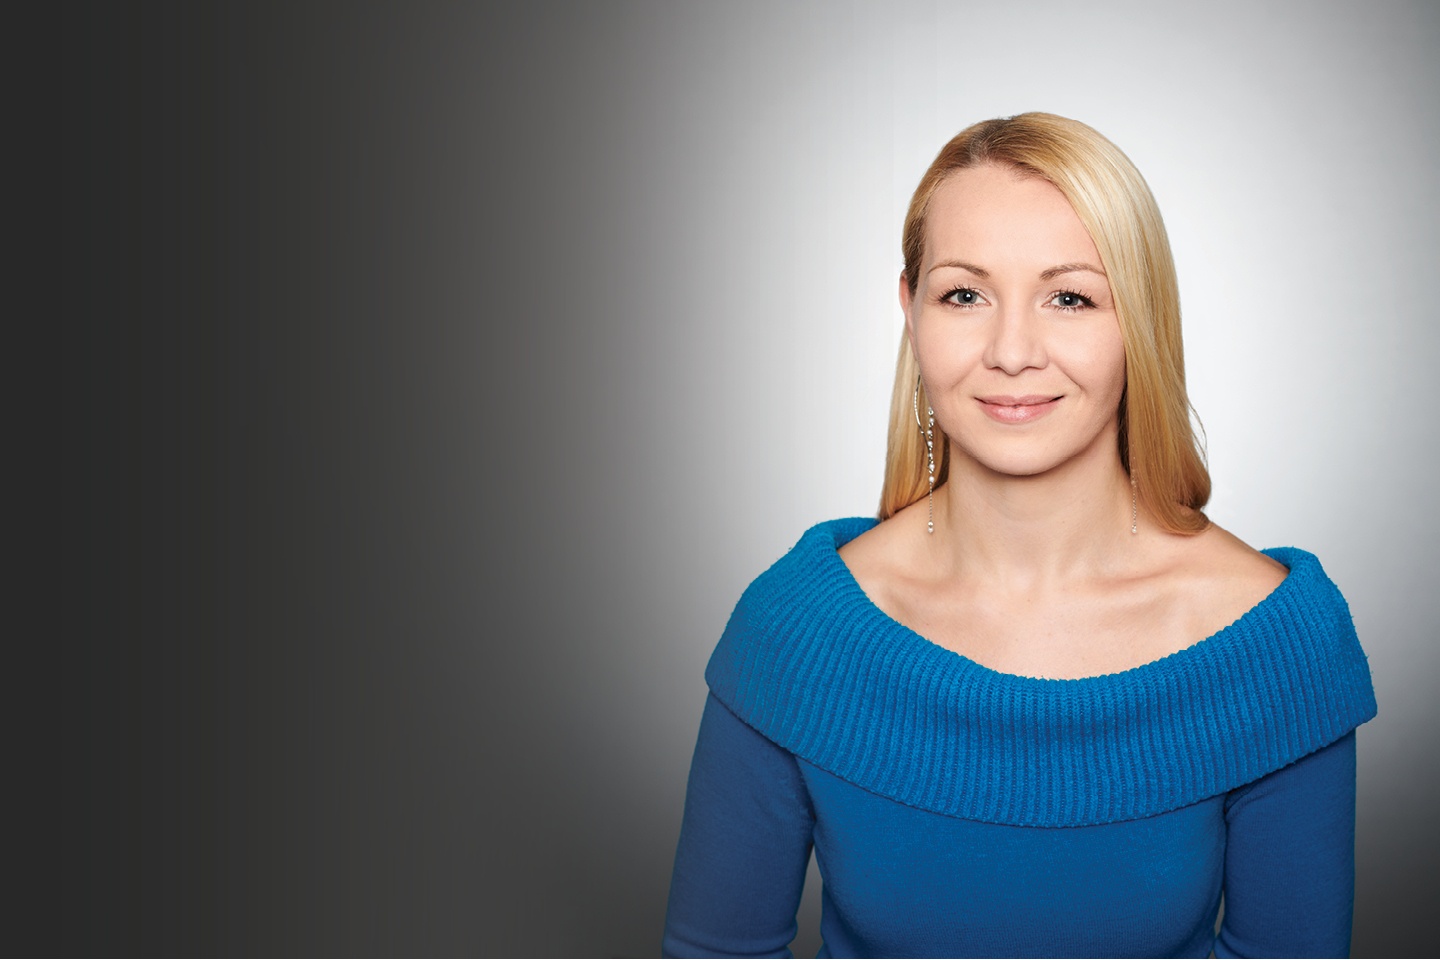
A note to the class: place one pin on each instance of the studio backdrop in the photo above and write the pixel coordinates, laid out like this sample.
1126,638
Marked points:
482,354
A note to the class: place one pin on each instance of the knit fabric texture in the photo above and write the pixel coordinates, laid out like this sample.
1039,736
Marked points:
811,663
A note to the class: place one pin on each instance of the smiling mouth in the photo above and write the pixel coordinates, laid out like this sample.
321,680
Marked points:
1007,409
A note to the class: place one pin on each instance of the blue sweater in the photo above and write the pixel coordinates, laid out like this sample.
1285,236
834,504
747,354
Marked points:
957,811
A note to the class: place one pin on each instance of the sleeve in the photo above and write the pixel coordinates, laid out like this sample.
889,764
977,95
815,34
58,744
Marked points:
744,845
1290,859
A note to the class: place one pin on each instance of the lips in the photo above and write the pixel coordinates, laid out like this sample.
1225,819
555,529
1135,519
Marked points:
1007,409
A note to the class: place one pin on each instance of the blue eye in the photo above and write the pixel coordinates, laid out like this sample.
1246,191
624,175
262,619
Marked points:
964,297
1069,300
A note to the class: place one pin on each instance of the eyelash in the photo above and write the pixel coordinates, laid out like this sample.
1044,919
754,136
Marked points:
1084,304
963,306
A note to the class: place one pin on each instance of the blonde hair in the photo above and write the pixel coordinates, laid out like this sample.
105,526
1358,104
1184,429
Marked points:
1158,447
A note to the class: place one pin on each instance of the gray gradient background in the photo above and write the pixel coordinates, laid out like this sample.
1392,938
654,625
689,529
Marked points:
445,372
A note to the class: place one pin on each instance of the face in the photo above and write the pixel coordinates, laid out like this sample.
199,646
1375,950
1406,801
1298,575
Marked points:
1014,327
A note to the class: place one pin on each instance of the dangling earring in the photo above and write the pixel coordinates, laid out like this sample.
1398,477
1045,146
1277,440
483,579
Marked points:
1134,507
929,431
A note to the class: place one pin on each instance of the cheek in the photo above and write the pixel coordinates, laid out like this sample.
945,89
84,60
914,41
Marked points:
1115,363
1098,364
1111,369
945,355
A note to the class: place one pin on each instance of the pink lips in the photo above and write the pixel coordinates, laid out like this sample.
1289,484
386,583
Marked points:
1007,409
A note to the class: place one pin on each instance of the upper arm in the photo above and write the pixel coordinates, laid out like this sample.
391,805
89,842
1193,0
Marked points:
744,845
1290,859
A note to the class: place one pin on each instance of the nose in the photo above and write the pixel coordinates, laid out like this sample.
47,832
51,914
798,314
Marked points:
1016,340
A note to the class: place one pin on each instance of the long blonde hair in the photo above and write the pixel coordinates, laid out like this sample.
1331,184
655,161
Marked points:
1158,447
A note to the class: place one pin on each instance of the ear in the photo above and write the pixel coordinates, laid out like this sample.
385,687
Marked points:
905,301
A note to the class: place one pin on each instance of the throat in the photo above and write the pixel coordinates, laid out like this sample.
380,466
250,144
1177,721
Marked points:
1043,634
1034,529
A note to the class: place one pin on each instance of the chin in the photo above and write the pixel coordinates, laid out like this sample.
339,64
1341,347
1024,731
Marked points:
1019,460
1023,469
1018,465
1035,454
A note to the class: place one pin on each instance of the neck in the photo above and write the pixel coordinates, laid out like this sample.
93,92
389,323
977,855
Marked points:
1073,520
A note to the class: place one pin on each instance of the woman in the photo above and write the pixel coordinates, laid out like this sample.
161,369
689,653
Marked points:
992,713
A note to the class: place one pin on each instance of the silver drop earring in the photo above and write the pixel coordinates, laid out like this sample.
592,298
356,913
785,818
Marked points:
929,431
1134,508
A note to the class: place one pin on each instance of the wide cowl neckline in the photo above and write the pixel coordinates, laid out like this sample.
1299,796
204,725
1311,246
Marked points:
809,661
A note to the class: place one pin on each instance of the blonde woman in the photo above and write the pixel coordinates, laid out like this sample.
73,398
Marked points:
1043,706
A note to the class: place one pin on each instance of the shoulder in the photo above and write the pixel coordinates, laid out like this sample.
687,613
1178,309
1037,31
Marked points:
883,560
1221,554
1286,633
1225,578
1282,674
806,585
813,561
794,637
1215,577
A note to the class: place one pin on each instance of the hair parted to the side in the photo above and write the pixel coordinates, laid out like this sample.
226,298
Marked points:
1158,446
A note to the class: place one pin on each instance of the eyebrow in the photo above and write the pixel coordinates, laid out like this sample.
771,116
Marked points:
1054,272
1049,274
980,272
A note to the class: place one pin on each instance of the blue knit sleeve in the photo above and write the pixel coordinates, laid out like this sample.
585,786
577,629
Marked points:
744,846
1290,859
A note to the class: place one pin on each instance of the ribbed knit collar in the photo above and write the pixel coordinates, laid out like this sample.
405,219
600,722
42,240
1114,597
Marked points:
809,661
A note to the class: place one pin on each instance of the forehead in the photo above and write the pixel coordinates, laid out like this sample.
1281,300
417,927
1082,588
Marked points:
996,217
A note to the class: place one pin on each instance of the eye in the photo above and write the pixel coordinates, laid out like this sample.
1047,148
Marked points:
964,297
1069,301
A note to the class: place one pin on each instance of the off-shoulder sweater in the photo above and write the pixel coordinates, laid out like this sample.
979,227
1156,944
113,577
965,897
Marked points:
958,811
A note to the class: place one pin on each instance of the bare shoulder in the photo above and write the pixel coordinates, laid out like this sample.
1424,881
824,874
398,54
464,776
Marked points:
1227,556
883,558
1224,575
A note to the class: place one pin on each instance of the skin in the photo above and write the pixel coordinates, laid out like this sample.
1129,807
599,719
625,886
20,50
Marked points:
1032,569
